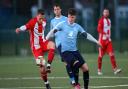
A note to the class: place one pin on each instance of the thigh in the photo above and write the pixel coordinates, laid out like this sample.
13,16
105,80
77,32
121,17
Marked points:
110,48
79,57
68,57
37,53
102,50
44,45
49,45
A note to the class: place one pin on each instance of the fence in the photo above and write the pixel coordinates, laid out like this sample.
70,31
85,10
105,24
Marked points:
13,44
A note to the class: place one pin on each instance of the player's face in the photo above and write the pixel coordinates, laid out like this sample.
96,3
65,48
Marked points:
106,13
71,18
57,11
40,18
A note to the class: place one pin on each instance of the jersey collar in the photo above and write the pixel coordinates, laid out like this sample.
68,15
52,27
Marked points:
70,24
58,17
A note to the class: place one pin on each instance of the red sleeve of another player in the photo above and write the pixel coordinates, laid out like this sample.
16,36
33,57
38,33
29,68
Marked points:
100,26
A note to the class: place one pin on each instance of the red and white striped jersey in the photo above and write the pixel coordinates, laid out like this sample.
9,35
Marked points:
104,29
36,31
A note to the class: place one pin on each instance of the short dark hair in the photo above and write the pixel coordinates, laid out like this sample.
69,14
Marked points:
56,5
72,11
40,11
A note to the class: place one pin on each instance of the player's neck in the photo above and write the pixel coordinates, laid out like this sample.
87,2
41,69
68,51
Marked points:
105,17
71,23
58,16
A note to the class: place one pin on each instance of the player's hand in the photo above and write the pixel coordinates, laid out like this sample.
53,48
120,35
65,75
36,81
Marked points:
45,40
99,45
17,31
48,70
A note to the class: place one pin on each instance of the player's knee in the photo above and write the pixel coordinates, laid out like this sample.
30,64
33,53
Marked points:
51,45
84,67
76,64
111,54
100,56
40,61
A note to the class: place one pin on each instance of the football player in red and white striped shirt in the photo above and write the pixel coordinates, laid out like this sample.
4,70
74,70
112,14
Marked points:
104,30
39,45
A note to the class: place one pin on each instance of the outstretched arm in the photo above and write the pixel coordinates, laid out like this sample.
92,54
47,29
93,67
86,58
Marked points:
51,33
22,28
90,38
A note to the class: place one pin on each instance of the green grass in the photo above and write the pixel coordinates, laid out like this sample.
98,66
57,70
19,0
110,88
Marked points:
18,68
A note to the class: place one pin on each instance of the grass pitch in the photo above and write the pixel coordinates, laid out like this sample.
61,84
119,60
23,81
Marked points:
20,72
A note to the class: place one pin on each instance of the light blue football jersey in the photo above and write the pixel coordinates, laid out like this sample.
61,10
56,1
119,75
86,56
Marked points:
53,24
68,36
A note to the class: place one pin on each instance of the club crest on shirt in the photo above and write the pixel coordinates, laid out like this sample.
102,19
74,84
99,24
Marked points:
70,34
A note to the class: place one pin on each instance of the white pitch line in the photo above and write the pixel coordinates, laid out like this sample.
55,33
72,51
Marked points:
99,87
92,87
35,88
36,78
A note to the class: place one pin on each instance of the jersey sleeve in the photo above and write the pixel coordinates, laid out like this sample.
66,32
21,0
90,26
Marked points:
81,30
59,26
100,26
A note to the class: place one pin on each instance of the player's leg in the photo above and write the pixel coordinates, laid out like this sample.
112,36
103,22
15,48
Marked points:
112,58
76,75
80,63
77,64
68,67
85,70
51,48
68,58
70,73
100,57
40,61
51,53
76,71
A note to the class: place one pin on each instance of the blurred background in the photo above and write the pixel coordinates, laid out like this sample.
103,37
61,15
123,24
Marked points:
14,13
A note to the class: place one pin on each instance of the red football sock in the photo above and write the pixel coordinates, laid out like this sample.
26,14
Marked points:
51,55
44,76
99,63
113,61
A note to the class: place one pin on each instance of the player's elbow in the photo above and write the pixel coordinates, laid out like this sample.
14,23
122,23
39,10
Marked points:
55,30
84,34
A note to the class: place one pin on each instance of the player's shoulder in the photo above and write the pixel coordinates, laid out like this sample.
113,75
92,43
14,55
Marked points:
77,25
33,20
64,17
52,20
62,23
101,20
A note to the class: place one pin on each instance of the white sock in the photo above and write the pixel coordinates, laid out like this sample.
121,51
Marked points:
46,82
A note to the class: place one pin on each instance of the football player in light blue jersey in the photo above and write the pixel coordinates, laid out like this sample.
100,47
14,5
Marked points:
55,21
70,54
58,19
